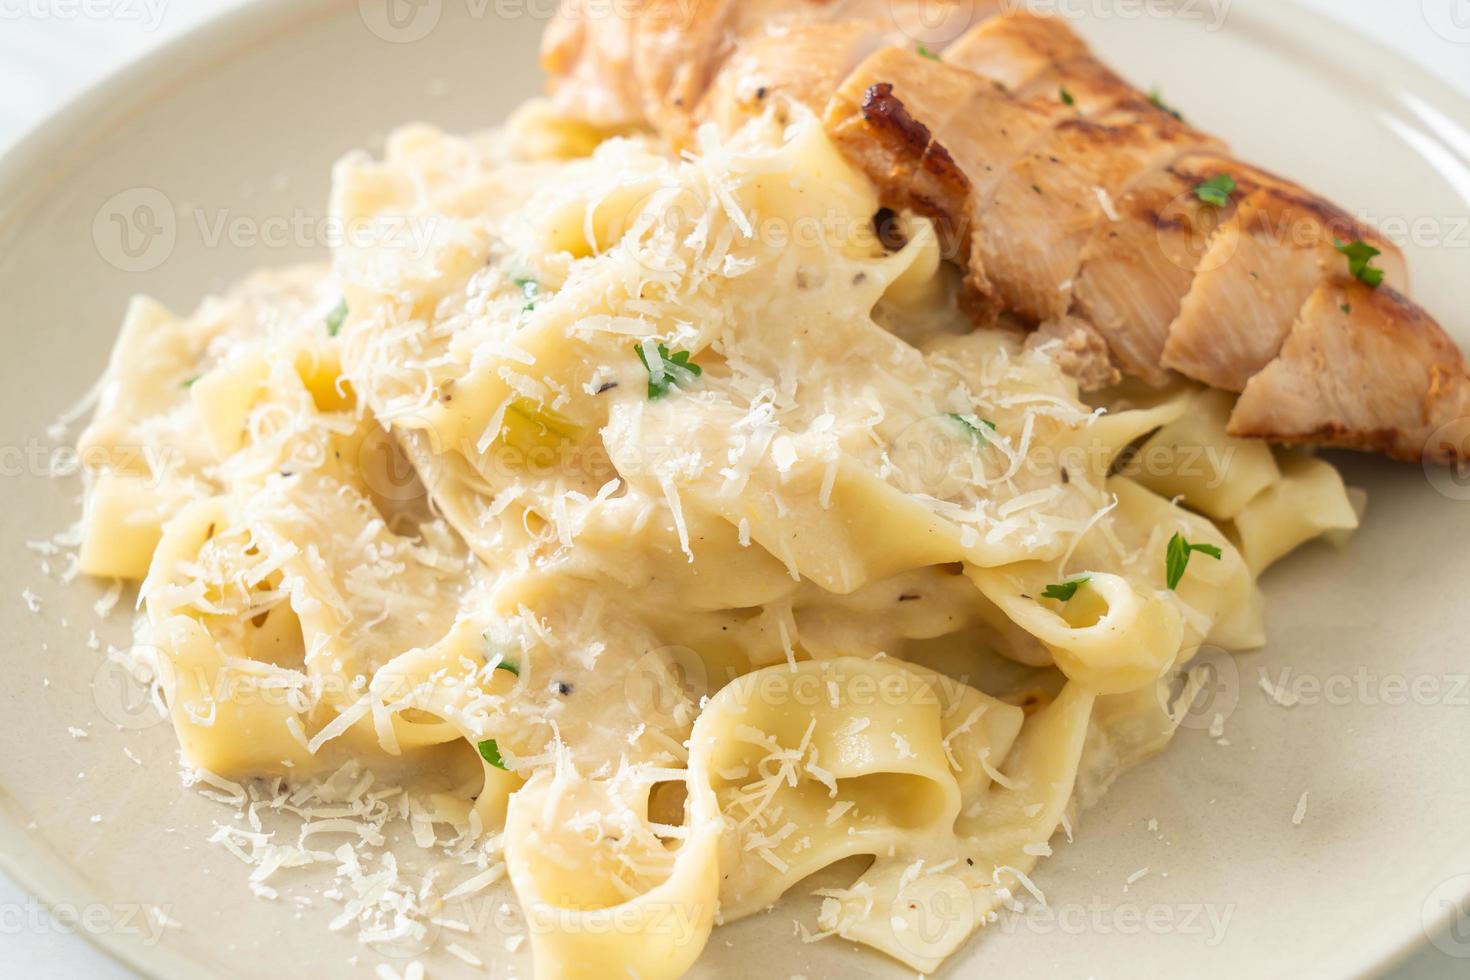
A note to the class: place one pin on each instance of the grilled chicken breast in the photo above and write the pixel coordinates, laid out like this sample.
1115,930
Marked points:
1077,204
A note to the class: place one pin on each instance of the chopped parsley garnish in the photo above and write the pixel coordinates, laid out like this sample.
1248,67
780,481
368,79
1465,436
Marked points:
1064,591
1347,308
1066,96
490,752
1036,188
1157,98
336,318
531,289
674,369
190,382
1216,190
1359,255
507,665
978,428
926,53
1177,559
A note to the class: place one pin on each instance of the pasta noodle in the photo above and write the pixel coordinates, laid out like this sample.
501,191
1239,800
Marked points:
682,530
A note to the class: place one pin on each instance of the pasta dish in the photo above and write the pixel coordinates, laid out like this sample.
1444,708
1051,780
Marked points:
658,510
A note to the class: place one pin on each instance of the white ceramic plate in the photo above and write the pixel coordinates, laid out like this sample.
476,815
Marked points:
213,157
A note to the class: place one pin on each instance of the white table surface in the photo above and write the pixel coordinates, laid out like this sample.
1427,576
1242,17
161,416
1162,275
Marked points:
51,50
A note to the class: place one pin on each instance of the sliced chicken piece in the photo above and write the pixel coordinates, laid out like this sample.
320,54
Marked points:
654,61
875,117
1033,222
681,44
1030,240
1031,212
1137,269
946,172
1362,369
945,167
651,63
1092,90
1258,271
1144,284
1040,58
589,64
1016,49
803,64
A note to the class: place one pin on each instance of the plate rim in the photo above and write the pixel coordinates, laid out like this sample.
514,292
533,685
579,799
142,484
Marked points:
24,165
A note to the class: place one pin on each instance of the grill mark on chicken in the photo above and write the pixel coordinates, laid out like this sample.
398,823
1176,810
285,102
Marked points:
880,108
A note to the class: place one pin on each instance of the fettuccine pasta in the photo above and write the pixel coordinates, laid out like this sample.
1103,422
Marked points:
683,527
